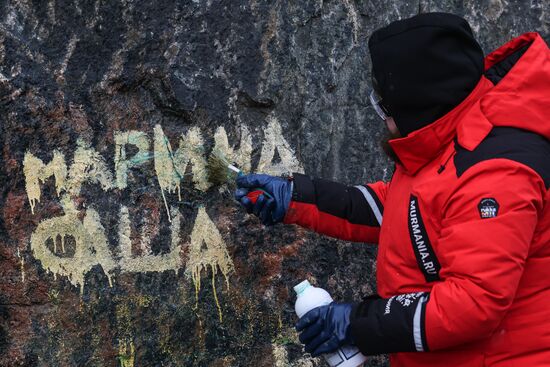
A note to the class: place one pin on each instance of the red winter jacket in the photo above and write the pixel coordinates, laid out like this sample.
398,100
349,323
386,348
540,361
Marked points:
463,268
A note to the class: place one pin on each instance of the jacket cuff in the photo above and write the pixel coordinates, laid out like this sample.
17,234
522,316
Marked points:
393,325
303,190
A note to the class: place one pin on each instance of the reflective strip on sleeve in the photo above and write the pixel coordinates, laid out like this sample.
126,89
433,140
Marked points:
417,325
372,203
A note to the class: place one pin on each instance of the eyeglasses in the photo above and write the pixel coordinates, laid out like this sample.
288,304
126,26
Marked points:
376,102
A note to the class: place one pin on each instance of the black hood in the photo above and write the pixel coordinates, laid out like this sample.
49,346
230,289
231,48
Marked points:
424,66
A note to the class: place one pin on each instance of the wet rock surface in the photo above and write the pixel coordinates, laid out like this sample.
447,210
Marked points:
114,249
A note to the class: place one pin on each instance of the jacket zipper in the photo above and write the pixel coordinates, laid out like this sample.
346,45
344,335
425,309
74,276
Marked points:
444,165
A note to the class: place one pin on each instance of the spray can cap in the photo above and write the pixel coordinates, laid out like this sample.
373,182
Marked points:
301,287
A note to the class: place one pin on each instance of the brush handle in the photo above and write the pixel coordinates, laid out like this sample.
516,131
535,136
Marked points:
255,193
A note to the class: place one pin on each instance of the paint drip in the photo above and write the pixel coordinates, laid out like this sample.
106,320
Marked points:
208,250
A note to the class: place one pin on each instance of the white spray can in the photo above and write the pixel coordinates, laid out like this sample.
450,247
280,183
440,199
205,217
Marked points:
310,297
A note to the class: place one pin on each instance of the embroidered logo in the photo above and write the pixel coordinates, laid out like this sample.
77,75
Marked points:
404,299
407,299
488,208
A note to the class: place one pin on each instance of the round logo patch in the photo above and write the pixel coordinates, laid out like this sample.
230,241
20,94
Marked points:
488,208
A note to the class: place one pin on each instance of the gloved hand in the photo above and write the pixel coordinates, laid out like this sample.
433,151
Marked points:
325,329
269,210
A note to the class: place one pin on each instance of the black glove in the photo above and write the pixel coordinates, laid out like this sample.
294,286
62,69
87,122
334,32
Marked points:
271,209
325,329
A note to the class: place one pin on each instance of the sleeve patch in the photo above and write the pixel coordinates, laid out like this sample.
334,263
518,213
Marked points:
488,208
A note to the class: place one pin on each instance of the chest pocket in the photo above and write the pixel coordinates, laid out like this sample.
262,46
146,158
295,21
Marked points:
422,247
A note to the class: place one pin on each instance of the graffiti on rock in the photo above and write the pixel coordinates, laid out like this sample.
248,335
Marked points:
207,248
90,249
36,171
171,166
147,261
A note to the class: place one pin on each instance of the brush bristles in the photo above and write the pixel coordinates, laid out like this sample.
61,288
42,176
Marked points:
218,173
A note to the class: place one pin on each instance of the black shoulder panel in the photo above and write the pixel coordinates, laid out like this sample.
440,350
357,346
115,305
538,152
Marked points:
519,145
500,69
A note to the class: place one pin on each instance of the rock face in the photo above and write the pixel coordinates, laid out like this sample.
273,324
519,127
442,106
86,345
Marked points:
115,248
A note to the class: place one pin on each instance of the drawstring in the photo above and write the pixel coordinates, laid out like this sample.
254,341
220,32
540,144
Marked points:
442,166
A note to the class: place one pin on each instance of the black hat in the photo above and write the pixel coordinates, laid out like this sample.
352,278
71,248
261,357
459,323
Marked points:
424,66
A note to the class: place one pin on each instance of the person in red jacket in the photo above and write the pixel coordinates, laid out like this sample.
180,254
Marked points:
463,266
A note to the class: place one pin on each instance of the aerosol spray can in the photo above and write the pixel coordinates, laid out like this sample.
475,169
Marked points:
310,297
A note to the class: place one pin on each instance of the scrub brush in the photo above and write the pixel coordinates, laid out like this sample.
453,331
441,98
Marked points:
221,171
